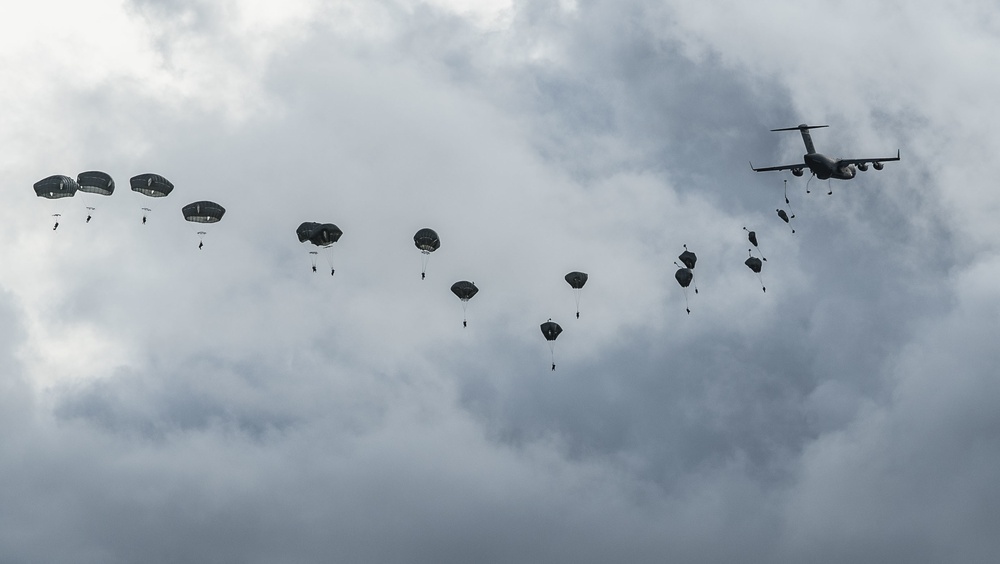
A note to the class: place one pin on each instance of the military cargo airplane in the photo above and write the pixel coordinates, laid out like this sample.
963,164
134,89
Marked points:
822,166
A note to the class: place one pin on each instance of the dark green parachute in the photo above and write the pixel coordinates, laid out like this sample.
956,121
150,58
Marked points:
203,212
427,241
96,182
56,186
319,234
465,290
685,274
754,264
688,258
152,185
752,237
551,330
322,235
576,280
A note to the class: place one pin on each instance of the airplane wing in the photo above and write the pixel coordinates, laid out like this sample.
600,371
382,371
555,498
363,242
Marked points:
782,167
866,161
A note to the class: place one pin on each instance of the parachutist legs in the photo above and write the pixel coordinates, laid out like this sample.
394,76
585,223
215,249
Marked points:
88,218
423,275
553,366
56,226
314,268
200,245
578,315
465,323
332,271
144,220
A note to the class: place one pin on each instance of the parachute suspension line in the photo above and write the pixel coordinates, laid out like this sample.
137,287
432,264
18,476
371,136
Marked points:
328,251
145,212
577,293
201,239
787,202
465,305
552,353
687,305
315,256
57,216
424,258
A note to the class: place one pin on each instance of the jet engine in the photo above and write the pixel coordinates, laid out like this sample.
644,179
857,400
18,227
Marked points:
862,166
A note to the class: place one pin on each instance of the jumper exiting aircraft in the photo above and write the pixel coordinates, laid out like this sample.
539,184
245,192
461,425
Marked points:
822,166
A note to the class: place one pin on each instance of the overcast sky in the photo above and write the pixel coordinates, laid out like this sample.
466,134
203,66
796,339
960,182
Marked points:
161,403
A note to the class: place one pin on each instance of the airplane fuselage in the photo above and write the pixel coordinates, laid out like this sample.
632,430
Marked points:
825,167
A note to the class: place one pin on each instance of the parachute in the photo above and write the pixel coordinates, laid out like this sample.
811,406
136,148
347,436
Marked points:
685,274
576,280
322,235
152,185
95,182
427,241
203,212
465,290
551,330
754,264
688,258
752,237
784,217
54,188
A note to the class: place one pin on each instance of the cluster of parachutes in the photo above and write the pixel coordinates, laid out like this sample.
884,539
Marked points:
426,240
58,186
324,235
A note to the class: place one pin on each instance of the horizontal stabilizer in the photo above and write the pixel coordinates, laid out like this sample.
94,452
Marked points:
800,127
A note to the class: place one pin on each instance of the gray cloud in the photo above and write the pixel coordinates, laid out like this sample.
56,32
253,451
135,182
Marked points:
164,403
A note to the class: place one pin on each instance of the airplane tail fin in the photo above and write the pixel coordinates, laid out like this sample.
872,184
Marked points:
804,130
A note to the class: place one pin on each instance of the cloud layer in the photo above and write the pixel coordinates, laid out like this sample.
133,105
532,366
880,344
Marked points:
161,403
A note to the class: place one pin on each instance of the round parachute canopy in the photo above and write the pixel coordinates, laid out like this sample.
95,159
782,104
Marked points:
688,258
96,182
551,330
684,277
319,234
754,264
576,279
427,240
151,185
203,212
55,187
464,290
